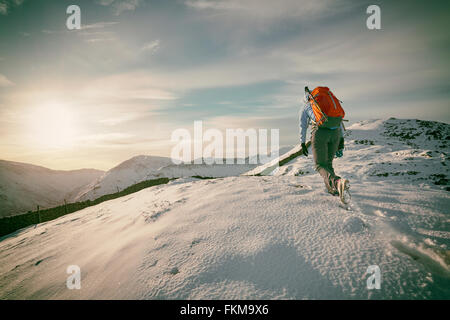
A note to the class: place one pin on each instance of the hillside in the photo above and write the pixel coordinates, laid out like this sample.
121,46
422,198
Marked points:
143,168
394,150
24,186
271,237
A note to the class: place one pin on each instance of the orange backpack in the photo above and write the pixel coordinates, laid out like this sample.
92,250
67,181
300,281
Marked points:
329,111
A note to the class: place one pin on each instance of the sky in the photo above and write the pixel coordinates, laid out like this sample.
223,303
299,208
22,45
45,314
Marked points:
139,69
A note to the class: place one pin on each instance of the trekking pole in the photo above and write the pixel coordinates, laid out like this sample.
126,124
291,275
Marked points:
323,114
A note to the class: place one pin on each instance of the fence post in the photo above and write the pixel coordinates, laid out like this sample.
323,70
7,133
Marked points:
65,206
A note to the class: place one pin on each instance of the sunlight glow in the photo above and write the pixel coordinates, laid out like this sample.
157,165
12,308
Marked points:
52,126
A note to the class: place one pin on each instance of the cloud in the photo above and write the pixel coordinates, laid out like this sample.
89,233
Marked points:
120,6
104,2
267,9
50,31
108,138
5,82
127,87
215,5
124,117
98,25
118,139
5,5
238,121
98,36
95,40
126,5
227,72
3,8
151,47
240,24
92,32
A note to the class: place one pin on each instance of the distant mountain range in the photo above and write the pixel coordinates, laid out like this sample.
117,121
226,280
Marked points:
141,168
25,186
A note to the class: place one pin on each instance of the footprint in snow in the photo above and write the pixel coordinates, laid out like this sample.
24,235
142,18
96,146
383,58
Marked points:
432,259
195,241
157,211
300,188
39,262
354,225
151,217
173,271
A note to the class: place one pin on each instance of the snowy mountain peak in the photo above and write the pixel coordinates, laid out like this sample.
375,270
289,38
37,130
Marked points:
143,162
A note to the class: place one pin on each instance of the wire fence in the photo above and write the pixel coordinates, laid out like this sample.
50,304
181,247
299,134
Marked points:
11,224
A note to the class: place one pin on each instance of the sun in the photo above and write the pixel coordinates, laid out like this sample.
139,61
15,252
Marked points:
52,126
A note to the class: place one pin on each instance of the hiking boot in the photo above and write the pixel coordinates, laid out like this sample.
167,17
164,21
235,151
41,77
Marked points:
343,185
332,192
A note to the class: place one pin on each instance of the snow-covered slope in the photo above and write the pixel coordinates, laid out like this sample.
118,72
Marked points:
272,237
125,174
24,186
394,150
143,168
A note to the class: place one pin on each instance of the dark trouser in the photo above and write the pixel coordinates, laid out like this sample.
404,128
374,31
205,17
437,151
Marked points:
325,143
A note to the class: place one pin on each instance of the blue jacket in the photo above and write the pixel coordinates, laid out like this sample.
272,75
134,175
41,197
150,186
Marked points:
306,116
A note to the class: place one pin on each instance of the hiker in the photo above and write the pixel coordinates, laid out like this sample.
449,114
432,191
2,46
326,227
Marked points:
324,110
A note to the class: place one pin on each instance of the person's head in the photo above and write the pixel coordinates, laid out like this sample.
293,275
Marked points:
307,96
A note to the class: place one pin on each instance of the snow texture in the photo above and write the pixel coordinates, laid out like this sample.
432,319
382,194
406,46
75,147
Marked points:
271,237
